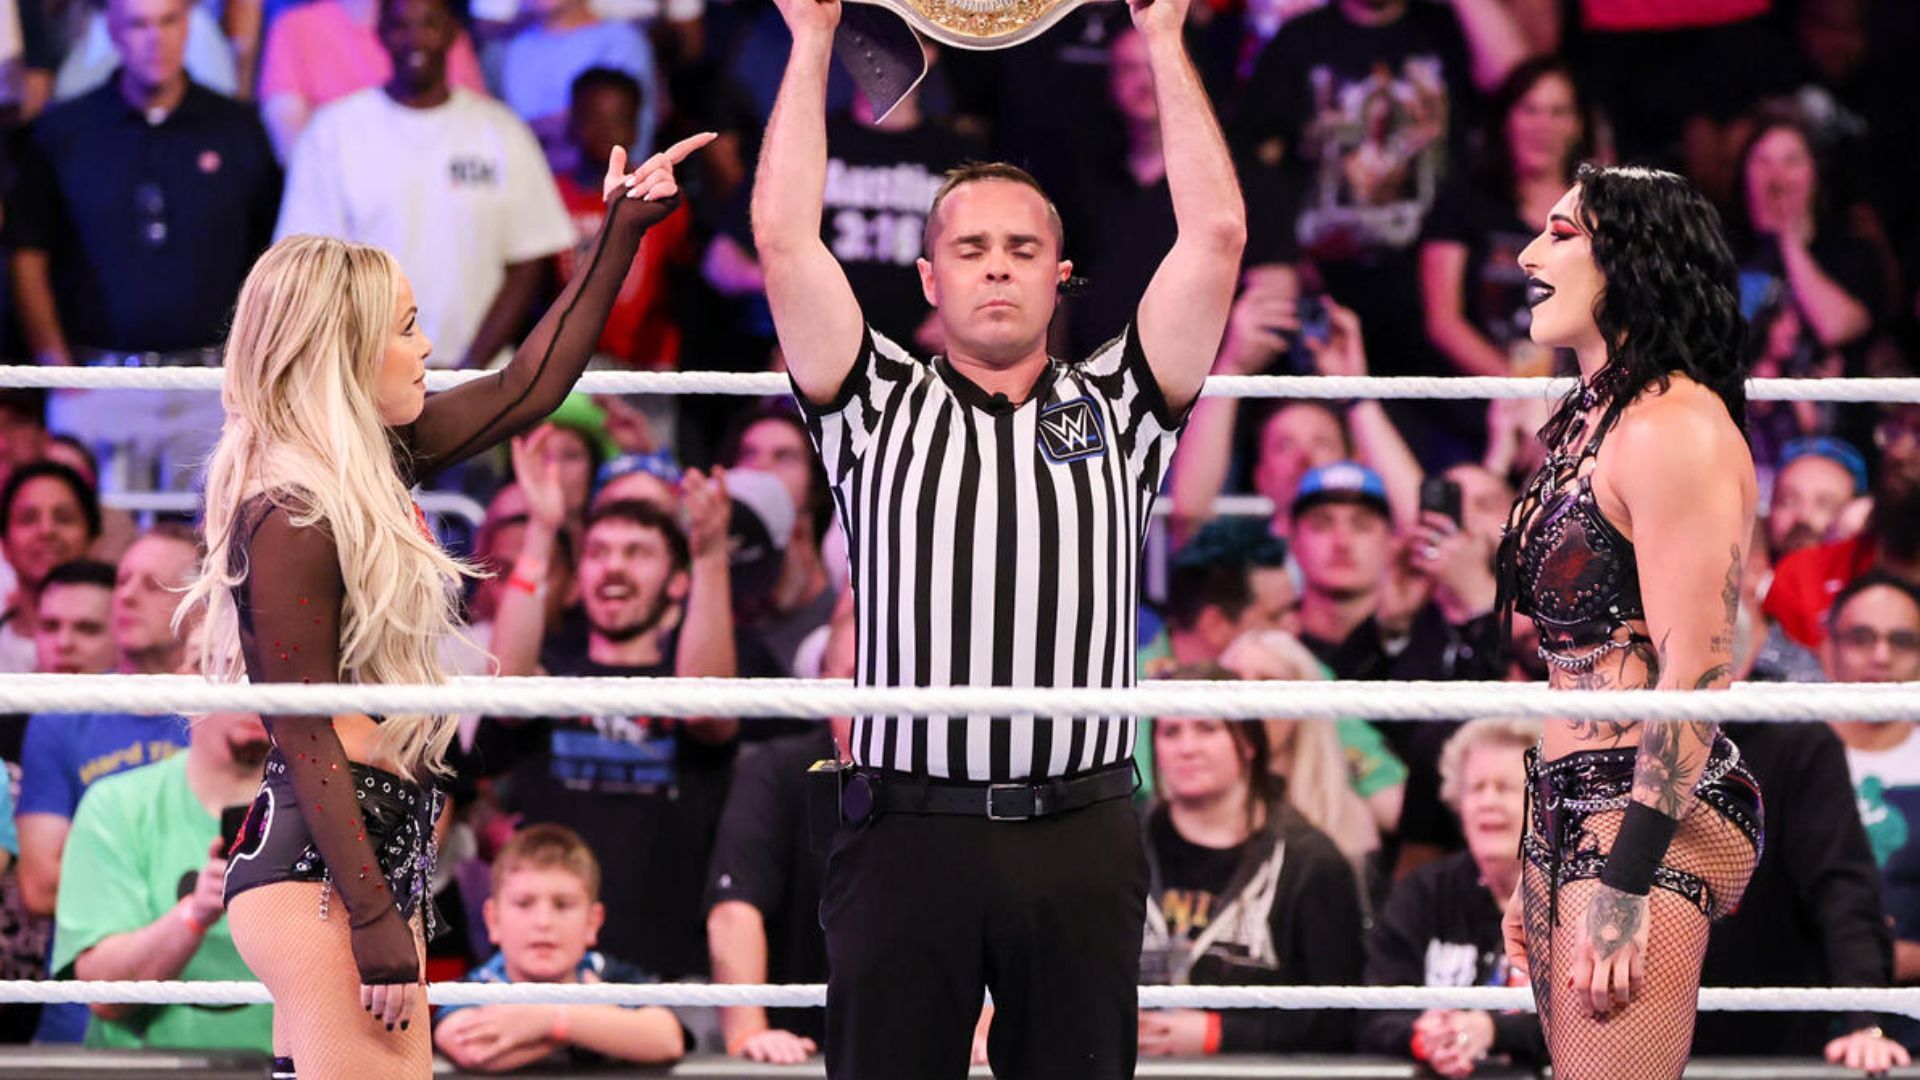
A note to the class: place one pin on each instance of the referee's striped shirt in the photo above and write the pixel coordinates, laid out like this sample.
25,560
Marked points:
995,546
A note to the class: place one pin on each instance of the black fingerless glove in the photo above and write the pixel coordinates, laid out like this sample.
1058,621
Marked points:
1645,835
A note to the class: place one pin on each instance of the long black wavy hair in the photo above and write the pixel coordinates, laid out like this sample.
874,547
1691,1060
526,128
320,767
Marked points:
1671,303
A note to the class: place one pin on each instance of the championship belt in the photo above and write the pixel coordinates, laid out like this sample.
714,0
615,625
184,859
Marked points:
879,40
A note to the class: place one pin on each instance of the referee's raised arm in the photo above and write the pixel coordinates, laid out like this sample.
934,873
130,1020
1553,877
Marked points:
1184,310
815,314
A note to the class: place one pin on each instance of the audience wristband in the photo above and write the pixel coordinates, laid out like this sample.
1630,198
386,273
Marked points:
1211,1044
734,1044
525,585
1645,834
561,1028
185,911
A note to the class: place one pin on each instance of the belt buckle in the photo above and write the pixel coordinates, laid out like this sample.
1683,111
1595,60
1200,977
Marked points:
994,790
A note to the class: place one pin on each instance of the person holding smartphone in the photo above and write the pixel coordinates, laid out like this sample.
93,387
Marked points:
1368,610
1452,543
142,877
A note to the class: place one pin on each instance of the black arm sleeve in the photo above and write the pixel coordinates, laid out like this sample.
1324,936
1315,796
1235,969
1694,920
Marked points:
289,608
1316,930
462,422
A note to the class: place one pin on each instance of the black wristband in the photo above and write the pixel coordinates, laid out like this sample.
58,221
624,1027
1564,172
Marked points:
1645,834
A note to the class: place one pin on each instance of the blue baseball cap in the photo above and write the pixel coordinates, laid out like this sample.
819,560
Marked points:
659,463
1838,451
1342,481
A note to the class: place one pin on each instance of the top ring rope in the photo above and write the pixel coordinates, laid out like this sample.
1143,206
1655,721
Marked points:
764,384
163,694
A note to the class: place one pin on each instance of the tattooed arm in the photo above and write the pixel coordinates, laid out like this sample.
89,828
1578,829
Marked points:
1685,478
1690,528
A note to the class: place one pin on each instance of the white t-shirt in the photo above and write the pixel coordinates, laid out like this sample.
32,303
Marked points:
1896,766
17,654
456,192
646,11
1886,786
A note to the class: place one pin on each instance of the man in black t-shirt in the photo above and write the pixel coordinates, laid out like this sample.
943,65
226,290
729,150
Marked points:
1813,913
881,176
1122,208
136,211
644,792
1356,112
1354,116
138,207
765,882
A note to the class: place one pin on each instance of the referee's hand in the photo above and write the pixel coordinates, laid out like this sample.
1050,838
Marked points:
806,18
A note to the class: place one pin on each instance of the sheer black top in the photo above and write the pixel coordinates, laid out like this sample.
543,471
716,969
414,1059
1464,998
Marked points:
290,598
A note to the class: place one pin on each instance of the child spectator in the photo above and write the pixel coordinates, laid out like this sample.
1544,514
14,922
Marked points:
545,916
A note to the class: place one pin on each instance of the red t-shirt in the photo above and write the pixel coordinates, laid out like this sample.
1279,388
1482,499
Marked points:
640,330
1625,15
1804,584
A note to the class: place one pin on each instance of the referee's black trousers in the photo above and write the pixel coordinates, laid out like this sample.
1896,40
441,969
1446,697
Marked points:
922,912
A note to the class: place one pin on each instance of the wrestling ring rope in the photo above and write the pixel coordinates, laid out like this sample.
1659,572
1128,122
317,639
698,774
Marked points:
795,698
157,695
814,995
767,384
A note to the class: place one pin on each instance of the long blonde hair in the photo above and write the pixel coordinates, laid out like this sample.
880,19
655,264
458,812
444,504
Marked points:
303,426
1308,752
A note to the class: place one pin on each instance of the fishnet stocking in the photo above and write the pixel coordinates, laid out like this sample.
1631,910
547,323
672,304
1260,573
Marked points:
1651,1037
306,963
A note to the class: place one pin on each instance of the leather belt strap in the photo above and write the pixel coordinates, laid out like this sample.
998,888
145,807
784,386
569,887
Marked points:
873,792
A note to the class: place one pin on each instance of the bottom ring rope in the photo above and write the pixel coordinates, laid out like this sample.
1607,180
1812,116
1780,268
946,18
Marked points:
813,995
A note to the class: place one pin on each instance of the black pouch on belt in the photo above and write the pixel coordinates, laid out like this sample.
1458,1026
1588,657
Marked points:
824,778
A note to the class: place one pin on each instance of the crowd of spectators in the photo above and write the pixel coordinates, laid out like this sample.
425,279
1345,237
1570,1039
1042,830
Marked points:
1396,155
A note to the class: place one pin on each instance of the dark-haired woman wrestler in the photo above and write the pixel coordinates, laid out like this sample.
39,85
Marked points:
320,570
1626,550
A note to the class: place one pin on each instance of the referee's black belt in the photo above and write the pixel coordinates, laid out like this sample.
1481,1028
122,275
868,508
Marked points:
869,792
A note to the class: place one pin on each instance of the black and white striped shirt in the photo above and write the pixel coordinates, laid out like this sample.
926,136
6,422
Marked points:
995,546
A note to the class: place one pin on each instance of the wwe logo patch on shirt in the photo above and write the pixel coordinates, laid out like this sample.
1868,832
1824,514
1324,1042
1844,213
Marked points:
1071,431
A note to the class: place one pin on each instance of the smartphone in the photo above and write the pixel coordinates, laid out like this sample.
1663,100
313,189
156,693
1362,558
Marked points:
1441,496
1315,323
231,821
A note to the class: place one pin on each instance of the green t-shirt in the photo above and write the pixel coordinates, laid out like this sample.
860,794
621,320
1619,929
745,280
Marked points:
135,836
1370,762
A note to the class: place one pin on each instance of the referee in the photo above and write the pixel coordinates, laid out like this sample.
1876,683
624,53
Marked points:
995,501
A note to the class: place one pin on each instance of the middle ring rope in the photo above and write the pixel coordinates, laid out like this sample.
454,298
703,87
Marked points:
155,695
